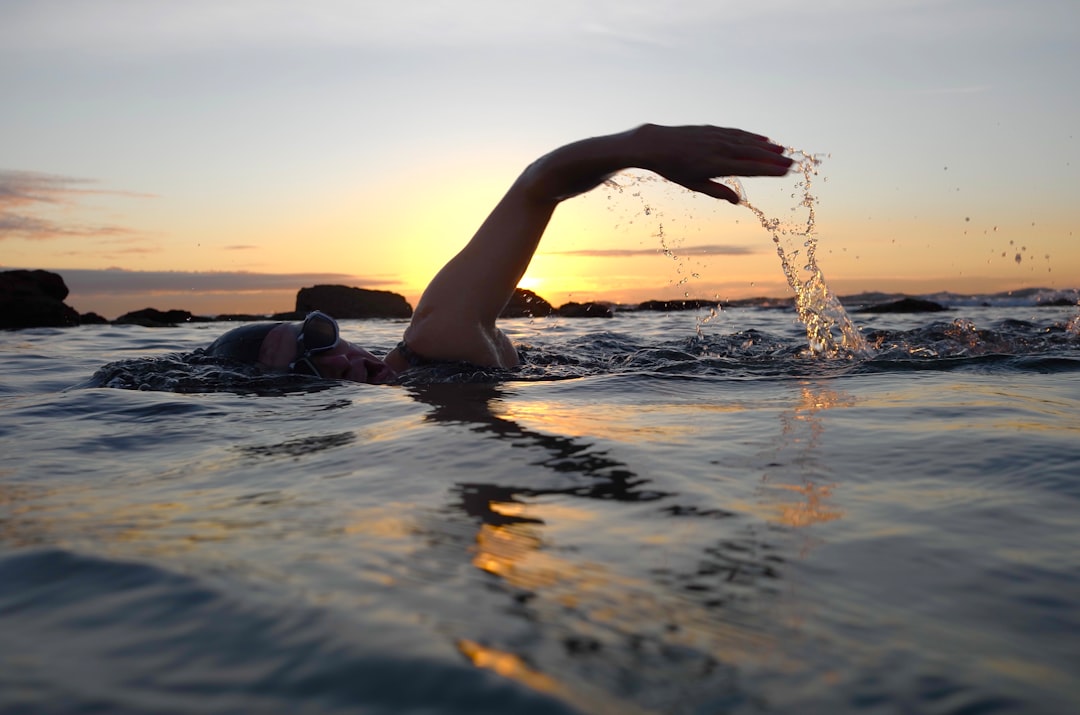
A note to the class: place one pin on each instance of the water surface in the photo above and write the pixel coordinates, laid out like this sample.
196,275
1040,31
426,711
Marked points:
653,515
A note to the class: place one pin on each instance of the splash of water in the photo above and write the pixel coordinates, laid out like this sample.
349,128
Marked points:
1074,324
829,330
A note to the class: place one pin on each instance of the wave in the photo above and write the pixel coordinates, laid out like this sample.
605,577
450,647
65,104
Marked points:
94,634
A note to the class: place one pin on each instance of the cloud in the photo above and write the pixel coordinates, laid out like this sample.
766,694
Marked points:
973,89
31,191
116,281
706,250
118,27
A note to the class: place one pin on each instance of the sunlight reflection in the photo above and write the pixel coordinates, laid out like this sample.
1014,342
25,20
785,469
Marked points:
612,422
600,594
811,510
507,665
801,432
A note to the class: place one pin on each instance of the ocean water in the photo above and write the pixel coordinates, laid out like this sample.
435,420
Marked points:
659,513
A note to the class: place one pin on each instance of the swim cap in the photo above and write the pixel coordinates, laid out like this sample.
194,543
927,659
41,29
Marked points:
241,344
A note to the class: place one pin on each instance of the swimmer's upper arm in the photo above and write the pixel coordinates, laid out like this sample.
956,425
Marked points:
457,312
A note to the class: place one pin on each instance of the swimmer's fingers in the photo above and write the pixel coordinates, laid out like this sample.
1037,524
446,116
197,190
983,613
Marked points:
693,179
694,156
713,189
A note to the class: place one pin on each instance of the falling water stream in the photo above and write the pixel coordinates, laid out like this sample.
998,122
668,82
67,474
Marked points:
829,331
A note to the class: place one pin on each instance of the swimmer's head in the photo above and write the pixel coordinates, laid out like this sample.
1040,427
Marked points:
242,344
313,347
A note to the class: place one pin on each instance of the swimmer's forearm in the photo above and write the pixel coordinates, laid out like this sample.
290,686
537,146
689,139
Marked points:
576,168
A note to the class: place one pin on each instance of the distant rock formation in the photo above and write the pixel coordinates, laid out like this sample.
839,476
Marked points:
154,318
668,305
34,299
344,302
585,310
240,318
905,305
526,304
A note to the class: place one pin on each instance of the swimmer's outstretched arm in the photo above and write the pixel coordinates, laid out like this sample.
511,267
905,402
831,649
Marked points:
455,319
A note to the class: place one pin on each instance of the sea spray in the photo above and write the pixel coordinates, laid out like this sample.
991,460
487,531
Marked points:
829,331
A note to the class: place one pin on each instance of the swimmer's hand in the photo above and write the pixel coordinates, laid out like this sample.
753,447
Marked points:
691,156
695,156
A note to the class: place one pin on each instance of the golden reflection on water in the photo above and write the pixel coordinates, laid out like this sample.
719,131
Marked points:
707,604
598,606
611,422
77,516
507,665
518,554
811,509
799,452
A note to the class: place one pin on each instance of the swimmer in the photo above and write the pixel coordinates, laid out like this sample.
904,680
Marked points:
455,320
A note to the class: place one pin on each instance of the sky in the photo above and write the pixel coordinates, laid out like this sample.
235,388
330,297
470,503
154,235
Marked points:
217,156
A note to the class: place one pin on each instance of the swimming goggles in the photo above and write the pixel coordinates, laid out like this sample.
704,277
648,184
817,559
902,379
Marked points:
318,333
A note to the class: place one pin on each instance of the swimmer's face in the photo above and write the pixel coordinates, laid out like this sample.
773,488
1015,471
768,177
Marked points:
344,361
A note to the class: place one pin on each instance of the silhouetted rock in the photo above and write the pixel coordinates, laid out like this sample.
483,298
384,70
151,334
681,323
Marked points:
669,305
905,305
92,318
154,318
526,304
34,299
585,310
240,318
764,302
344,302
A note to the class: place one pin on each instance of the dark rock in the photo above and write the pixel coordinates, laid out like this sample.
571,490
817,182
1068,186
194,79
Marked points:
585,310
92,318
669,305
34,299
526,304
763,302
154,318
240,318
905,305
344,302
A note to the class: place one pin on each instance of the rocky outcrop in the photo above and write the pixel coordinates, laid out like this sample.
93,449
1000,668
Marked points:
34,299
239,318
585,310
526,304
905,305
344,302
154,318
668,305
